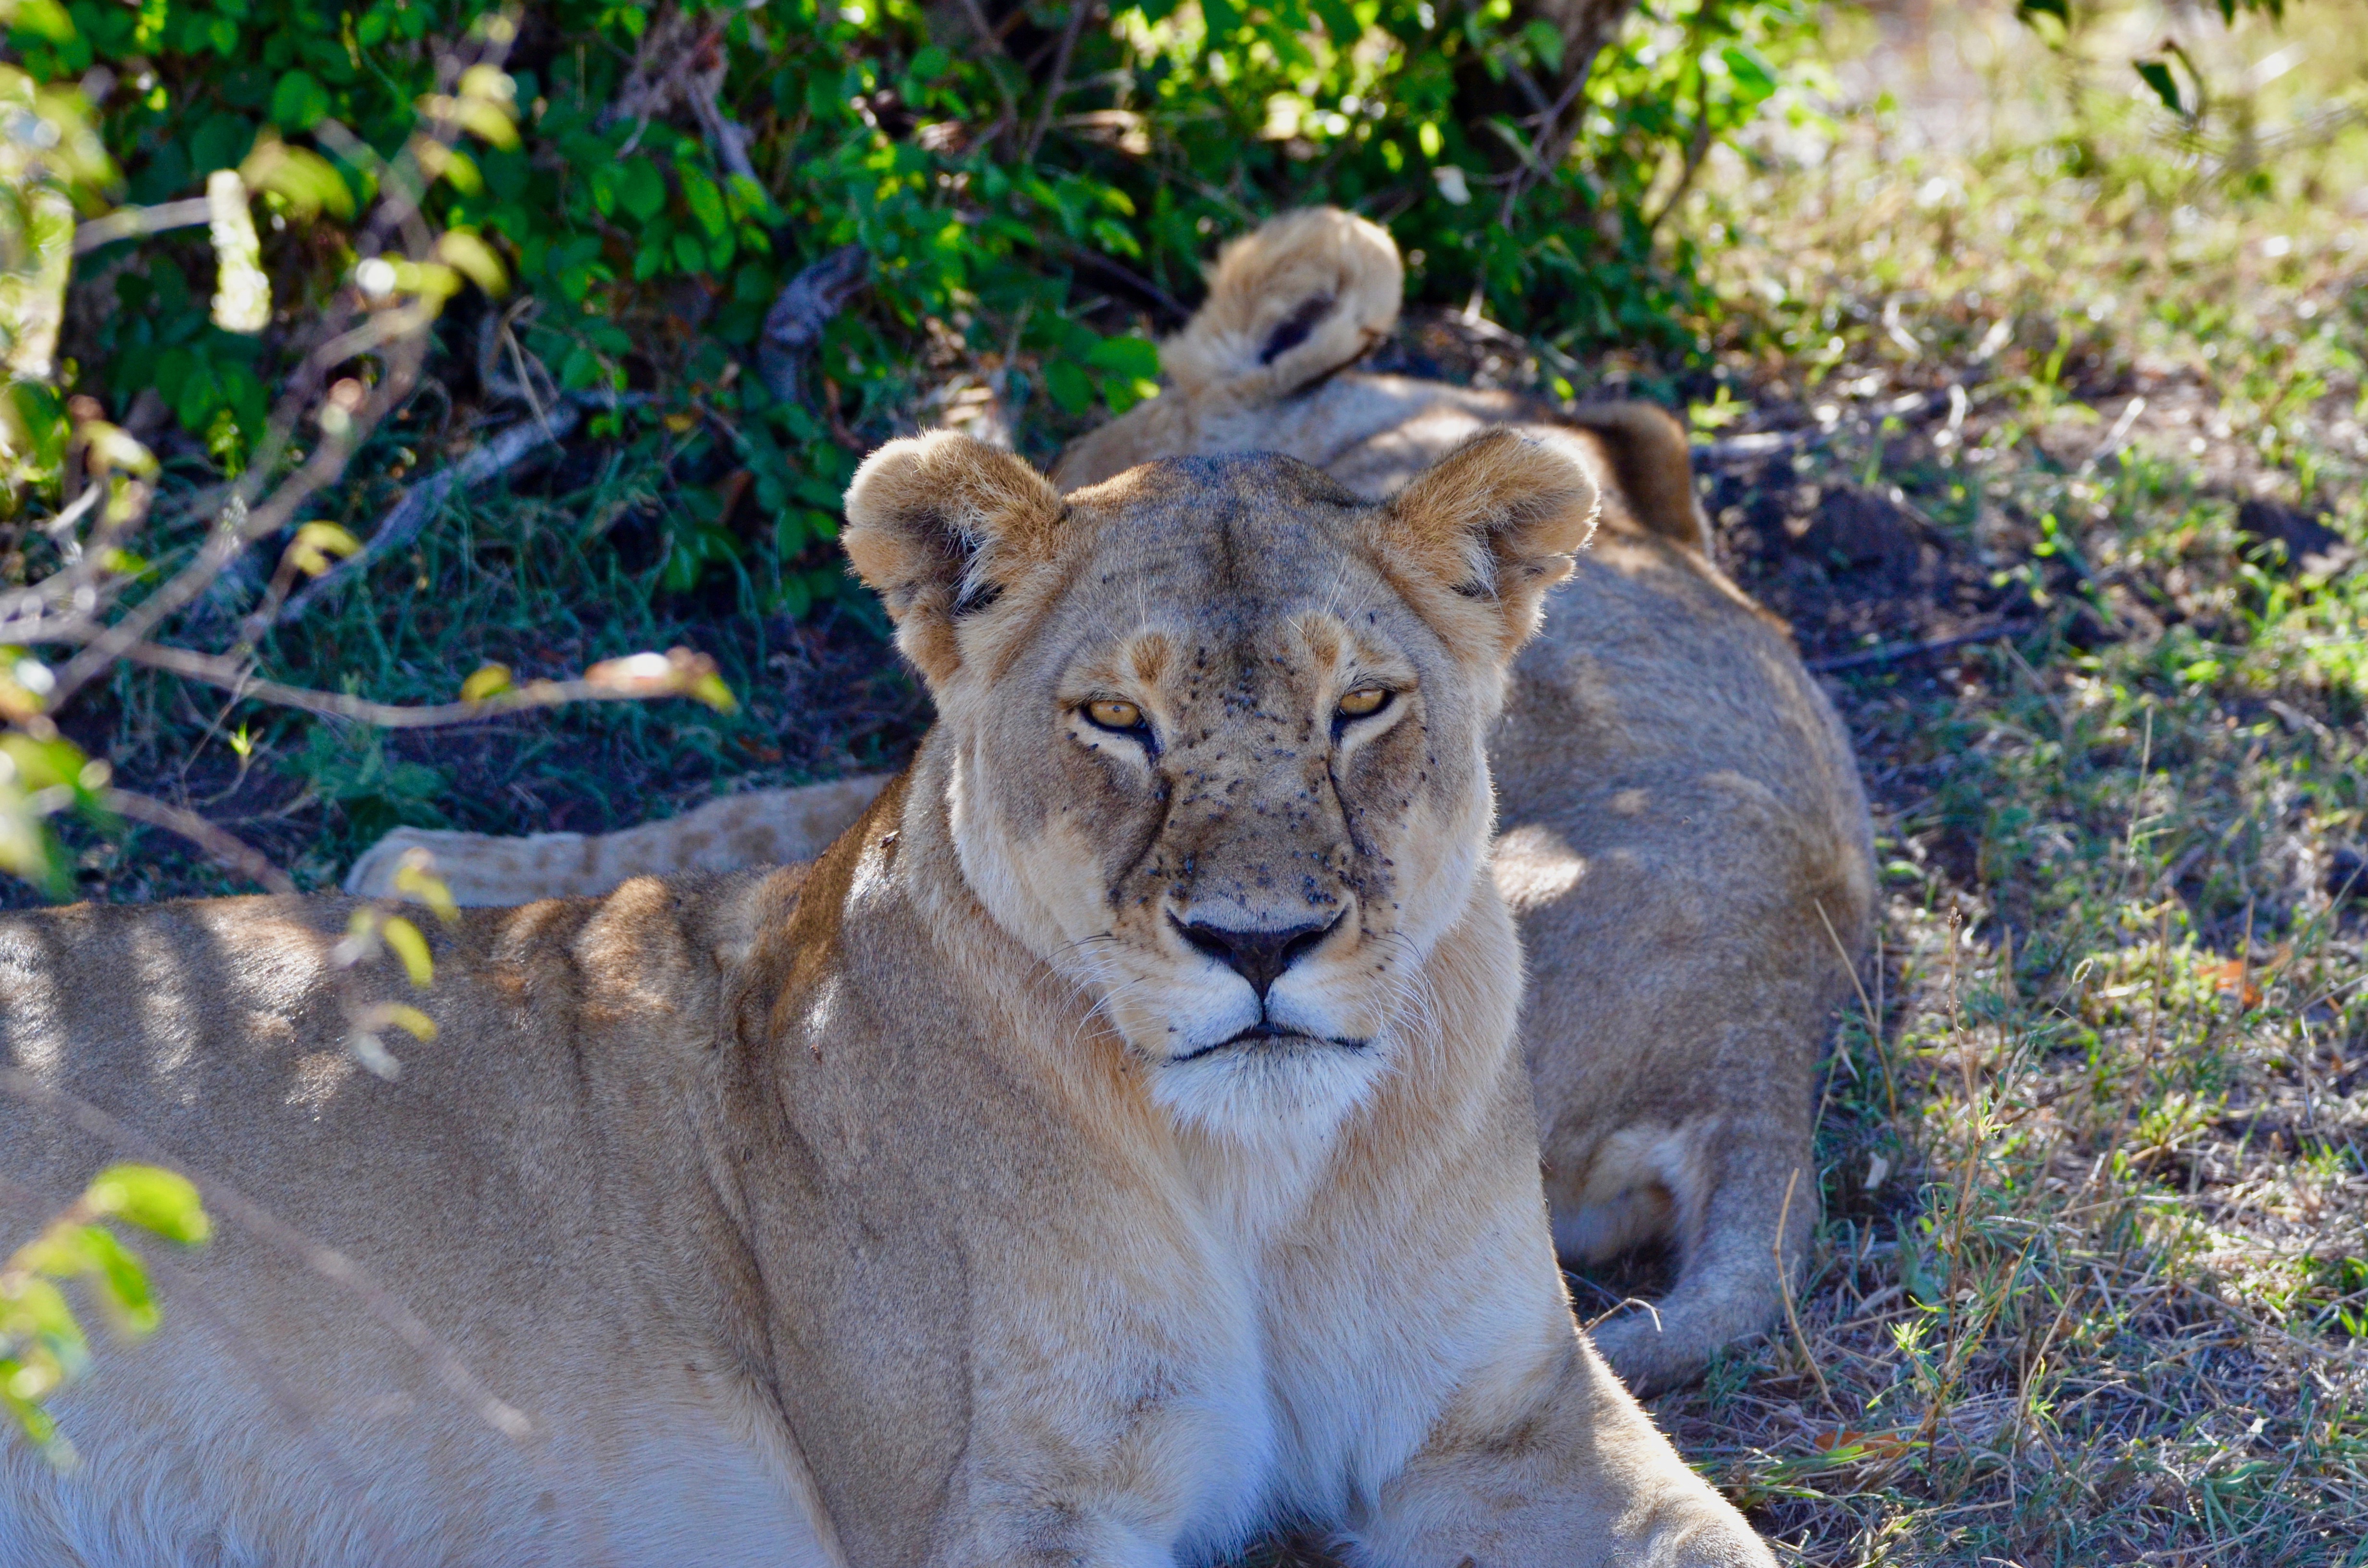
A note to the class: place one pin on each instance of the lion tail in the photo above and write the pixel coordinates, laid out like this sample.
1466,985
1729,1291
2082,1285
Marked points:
1290,302
1654,464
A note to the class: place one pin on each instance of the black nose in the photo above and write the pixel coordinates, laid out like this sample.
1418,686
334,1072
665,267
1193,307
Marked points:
1258,957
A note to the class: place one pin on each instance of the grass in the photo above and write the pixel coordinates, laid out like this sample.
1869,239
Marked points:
2092,1283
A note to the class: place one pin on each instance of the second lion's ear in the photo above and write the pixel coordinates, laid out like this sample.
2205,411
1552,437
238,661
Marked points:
939,526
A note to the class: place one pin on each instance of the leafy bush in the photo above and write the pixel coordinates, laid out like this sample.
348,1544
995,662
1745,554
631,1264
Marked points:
288,223
981,188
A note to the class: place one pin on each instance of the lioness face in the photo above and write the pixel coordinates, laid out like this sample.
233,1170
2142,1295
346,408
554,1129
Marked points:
1219,731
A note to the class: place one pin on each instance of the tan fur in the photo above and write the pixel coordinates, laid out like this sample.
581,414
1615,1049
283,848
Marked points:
772,827
955,1200
1307,293
1682,819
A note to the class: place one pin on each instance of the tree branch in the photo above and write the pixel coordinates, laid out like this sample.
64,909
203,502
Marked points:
679,673
223,848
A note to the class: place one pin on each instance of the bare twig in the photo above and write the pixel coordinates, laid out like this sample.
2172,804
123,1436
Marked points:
419,504
231,674
1891,652
132,223
993,41
1175,310
228,850
1697,149
1791,1316
1874,1012
679,63
1058,88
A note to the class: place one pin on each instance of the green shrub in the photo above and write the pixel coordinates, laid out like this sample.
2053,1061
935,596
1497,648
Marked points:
984,192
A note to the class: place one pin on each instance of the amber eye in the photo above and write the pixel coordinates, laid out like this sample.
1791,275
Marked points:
1112,715
1364,700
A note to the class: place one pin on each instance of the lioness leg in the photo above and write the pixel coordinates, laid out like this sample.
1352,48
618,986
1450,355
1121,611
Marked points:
1577,1477
1740,1194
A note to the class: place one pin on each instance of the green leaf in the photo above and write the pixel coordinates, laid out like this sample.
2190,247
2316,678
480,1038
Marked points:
38,1424
1136,358
153,1199
1545,41
411,947
2156,74
1068,386
123,1279
640,189
1754,78
298,102
1225,19
706,202
1340,21
38,1309
45,17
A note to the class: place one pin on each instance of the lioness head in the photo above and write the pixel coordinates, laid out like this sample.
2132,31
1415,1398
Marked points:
1217,731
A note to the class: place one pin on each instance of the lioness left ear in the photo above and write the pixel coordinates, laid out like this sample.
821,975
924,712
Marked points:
939,526
1479,537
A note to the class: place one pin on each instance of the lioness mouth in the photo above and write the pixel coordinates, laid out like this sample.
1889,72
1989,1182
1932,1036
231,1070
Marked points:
1261,1033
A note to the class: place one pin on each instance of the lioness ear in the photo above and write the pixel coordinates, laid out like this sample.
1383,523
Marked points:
939,526
1479,537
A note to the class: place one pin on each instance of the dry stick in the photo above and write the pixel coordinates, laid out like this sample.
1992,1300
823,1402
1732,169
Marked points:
402,524
228,850
1550,135
1955,1249
1094,261
1890,652
1784,1282
1697,149
1882,1048
132,223
326,1261
994,41
231,676
1621,1306
1059,86
2161,977
805,305
238,525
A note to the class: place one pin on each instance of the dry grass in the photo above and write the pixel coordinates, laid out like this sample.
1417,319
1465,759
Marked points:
2092,1284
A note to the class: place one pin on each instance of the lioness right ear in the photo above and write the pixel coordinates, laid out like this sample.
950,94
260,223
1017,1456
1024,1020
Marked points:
939,526
1479,537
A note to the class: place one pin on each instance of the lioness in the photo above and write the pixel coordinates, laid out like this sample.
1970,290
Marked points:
1684,841
1116,1146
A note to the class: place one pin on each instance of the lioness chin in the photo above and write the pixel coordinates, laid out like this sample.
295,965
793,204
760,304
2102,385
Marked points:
1115,1147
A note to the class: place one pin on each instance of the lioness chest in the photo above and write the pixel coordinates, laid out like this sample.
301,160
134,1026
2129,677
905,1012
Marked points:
1061,1288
